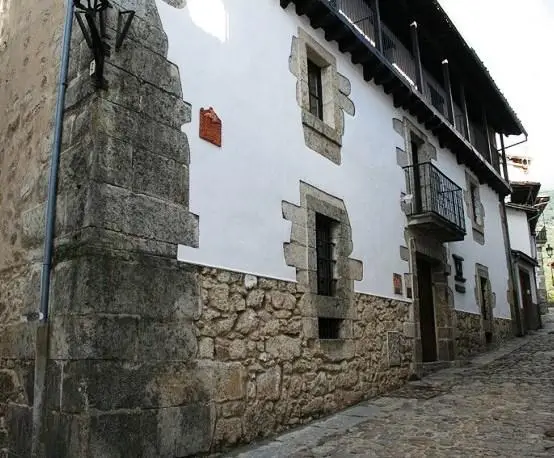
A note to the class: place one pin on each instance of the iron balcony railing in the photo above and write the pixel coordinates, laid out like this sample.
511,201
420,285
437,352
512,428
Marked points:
541,236
363,18
433,192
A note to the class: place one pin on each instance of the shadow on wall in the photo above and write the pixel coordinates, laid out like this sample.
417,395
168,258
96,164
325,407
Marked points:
209,15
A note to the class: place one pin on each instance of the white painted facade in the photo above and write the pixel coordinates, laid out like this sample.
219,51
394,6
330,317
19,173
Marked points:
520,235
236,58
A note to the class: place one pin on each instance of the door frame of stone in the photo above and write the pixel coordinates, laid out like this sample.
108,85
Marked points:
485,304
443,299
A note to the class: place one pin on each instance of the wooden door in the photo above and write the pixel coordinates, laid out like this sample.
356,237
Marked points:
426,310
529,310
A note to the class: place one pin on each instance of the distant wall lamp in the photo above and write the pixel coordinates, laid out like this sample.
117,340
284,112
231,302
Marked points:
549,250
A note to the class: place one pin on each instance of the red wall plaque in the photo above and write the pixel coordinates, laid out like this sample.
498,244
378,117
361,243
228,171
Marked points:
210,126
397,283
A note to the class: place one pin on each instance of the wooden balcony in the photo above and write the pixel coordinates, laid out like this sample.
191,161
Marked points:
358,30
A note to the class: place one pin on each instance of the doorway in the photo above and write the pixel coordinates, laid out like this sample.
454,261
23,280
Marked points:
426,309
529,312
486,309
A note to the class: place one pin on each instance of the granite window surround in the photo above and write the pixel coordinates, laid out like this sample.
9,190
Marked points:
323,131
475,208
459,279
301,253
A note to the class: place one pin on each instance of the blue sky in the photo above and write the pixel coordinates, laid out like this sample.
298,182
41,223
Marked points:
515,39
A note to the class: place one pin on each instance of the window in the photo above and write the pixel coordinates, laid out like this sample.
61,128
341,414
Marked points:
326,256
459,268
315,90
329,328
474,206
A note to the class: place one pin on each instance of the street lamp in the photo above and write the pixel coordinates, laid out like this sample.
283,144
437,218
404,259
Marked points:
549,250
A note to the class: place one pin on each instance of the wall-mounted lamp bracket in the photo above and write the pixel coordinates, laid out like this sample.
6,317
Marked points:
93,28
124,20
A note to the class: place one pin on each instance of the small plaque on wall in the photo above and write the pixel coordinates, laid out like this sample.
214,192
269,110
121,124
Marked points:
210,126
408,283
397,284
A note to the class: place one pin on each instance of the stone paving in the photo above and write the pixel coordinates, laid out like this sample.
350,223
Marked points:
501,405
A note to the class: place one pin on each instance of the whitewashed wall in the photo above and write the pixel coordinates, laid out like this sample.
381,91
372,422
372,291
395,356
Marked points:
234,57
520,236
531,273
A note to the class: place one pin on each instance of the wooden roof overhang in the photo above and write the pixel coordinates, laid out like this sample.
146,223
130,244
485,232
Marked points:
440,39
377,68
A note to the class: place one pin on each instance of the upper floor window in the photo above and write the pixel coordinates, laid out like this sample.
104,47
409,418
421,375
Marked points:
459,268
475,208
326,255
315,89
474,203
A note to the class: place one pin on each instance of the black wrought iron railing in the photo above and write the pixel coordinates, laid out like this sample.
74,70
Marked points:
541,236
434,192
362,16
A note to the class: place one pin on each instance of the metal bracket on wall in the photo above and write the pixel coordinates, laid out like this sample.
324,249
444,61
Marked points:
94,31
123,26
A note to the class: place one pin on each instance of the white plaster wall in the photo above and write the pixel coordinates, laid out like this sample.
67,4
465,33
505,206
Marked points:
492,254
235,58
237,190
520,236
531,273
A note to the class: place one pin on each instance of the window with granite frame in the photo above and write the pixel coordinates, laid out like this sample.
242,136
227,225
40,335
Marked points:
475,208
322,94
319,249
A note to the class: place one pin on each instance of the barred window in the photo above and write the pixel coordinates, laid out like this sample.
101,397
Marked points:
315,89
329,328
326,256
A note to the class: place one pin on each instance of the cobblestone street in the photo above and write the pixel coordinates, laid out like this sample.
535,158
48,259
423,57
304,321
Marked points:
501,405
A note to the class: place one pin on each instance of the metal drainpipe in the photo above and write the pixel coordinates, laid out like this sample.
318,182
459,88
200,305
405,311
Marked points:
54,166
42,335
514,274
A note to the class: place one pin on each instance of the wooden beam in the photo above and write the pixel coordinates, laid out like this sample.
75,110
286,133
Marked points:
378,28
322,20
487,136
464,112
417,56
448,87
504,161
336,33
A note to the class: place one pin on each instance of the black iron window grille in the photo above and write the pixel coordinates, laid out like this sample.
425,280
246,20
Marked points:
434,192
458,268
329,328
315,90
474,206
325,247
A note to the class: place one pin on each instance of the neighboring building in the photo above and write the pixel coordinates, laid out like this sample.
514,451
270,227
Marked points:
524,211
330,221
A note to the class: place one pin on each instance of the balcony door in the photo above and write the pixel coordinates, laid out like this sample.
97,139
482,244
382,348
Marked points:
426,309
415,146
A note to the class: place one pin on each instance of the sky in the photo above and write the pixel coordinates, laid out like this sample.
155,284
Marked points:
515,40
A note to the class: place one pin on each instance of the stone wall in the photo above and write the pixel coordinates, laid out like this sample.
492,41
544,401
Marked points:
503,330
270,375
30,37
470,338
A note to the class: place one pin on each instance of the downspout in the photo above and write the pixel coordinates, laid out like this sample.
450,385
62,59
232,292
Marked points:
42,336
513,273
54,166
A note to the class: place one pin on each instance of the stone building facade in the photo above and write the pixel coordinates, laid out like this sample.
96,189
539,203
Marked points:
187,312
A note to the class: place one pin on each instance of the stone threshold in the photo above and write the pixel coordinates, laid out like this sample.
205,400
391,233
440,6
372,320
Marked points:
313,434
